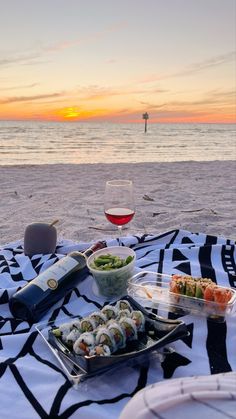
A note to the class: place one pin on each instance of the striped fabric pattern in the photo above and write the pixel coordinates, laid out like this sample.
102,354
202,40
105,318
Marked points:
204,397
30,374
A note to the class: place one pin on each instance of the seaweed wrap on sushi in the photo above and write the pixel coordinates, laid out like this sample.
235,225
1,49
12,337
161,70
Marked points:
84,344
105,337
139,320
98,317
129,327
118,334
109,311
123,305
87,324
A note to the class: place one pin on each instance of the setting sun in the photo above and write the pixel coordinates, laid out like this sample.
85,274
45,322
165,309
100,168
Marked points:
70,113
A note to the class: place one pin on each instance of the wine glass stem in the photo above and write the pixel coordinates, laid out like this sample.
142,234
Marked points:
120,230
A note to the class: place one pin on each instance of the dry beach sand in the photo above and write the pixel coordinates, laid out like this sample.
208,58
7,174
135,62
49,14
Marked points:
195,196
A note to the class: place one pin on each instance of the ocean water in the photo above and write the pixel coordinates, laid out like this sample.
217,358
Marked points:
75,142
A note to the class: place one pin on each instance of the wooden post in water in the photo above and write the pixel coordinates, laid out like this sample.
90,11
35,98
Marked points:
145,117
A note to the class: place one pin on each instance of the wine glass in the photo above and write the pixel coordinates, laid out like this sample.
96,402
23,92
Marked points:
119,202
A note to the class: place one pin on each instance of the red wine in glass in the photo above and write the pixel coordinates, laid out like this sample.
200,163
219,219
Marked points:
119,202
119,216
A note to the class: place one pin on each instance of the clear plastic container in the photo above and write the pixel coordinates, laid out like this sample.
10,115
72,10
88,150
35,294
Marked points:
114,282
152,290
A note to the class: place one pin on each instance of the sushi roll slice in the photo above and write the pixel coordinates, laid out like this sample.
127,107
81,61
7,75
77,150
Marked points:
222,295
201,284
98,317
76,324
190,287
72,337
65,329
123,305
139,320
129,327
84,344
100,350
209,293
87,324
178,284
105,337
123,313
109,311
118,334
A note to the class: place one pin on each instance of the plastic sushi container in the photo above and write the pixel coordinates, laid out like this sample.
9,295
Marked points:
159,291
150,340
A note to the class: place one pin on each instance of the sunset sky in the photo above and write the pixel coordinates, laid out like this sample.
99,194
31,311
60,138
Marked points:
109,60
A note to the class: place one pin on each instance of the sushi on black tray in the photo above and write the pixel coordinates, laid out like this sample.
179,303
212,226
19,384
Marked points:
118,332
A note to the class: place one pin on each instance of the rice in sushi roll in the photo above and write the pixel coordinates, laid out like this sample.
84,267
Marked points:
123,305
109,311
98,317
139,319
100,350
118,334
87,324
123,313
84,344
105,337
129,327
72,337
64,330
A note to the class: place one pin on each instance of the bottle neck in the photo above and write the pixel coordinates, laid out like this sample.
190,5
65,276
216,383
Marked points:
86,253
97,246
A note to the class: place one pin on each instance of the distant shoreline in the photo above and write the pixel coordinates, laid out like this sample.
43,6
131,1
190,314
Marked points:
114,122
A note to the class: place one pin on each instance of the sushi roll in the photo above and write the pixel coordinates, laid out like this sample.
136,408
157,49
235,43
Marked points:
84,344
105,337
123,313
118,334
222,295
190,287
139,320
129,327
72,337
64,330
209,292
87,324
100,350
123,305
98,317
109,311
201,284
76,324
178,284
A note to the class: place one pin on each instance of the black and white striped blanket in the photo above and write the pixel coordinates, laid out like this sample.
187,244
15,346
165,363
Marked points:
32,383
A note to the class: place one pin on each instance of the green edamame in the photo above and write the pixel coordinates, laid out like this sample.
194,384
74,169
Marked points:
108,262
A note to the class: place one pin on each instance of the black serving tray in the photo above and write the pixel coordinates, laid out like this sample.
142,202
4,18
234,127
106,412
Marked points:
158,333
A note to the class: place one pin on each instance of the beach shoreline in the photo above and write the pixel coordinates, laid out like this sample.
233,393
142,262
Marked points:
194,196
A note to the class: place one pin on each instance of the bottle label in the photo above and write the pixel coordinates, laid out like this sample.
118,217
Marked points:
50,278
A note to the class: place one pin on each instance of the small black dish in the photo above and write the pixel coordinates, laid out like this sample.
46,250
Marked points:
158,333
